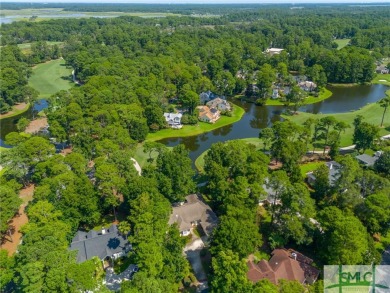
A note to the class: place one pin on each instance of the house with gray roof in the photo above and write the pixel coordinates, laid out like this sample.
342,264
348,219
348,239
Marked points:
367,160
206,97
220,104
193,212
173,119
107,243
334,169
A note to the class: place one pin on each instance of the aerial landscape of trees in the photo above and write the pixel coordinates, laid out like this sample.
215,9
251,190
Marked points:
128,72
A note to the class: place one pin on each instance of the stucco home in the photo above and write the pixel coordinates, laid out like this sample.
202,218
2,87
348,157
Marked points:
382,69
208,115
220,104
173,119
307,86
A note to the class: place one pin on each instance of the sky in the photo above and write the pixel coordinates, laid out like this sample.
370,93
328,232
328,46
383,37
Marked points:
201,1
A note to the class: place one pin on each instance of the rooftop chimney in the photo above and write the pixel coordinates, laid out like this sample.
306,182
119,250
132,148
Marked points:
294,255
103,231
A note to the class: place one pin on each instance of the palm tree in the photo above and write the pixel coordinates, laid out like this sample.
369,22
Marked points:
384,103
124,228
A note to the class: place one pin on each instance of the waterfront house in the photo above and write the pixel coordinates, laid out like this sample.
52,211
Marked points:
208,115
219,104
173,119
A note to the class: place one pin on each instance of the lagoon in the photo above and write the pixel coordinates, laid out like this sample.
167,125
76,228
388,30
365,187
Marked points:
344,99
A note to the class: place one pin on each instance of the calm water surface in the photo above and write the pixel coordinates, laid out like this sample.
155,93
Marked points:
254,119
8,125
258,117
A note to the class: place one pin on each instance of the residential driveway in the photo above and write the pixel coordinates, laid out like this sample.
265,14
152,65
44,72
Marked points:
113,281
386,257
192,252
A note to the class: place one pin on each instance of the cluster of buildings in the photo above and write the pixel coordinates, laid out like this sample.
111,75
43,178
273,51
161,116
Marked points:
302,81
193,213
334,167
211,109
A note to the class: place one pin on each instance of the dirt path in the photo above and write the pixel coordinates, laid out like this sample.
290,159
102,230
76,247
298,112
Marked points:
18,221
36,125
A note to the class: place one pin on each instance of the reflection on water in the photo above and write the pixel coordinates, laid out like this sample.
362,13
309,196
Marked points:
255,117
258,117
8,125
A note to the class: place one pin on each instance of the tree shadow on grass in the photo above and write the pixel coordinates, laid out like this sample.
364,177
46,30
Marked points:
68,78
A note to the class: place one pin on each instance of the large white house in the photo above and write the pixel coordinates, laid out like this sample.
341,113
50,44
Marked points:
173,119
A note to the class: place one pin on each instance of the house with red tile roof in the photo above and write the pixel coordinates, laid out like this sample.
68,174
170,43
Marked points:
284,264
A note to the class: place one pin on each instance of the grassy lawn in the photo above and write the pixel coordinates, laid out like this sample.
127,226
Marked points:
372,114
324,94
26,47
382,79
51,77
309,167
199,162
342,43
201,127
15,111
142,158
55,13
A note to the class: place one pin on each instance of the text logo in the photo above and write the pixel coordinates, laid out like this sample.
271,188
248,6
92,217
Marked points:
356,279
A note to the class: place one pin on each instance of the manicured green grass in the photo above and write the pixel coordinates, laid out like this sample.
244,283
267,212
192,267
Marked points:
199,162
142,158
382,79
26,47
372,114
15,112
324,94
51,77
342,43
309,167
201,127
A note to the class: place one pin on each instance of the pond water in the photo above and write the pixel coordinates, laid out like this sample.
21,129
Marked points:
8,125
344,99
